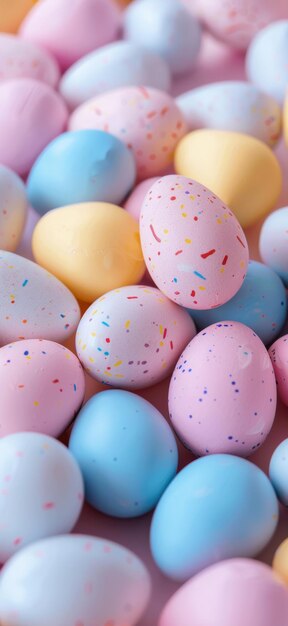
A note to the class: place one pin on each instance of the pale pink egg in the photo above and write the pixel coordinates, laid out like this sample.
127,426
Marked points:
279,357
24,59
193,245
31,115
237,592
134,202
69,29
41,387
222,395
146,119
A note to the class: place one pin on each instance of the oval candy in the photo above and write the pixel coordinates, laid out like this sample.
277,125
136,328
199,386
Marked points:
273,242
266,60
24,59
13,209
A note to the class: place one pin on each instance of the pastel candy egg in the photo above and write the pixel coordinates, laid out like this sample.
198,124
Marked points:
136,198
266,61
285,120
12,13
87,580
147,120
260,303
216,508
116,65
242,590
238,168
81,166
42,387
167,29
69,30
273,242
34,303
278,471
280,561
194,247
279,356
126,451
232,105
92,247
42,490
31,115
132,337
219,404
13,209
24,59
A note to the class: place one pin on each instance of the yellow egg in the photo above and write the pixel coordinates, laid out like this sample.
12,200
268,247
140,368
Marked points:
280,561
12,12
92,247
238,168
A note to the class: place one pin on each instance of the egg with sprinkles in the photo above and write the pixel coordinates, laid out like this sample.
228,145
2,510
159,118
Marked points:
41,387
132,336
193,245
34,303
222,394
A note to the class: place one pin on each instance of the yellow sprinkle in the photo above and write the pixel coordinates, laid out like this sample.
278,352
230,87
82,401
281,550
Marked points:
192,197
67,355
187,240
222,269
36,403
91,359
161,329
12,296
94,312
84,346
147,290
107,373
93,334
118,363
242,264
10,267
127,324
182,206
119,376
226,216
165,231
219,221
184,214
164,364
202,288
28,358
161,343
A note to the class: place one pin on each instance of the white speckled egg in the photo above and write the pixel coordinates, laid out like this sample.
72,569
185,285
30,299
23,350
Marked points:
193,245
132,337
34,303
24,59
232,105
116,65
74,580
267,59
146,119
13,208
41,490
273,242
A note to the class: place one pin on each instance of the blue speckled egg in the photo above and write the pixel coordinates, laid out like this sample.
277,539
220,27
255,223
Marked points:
260,303
126,451
81,166
217,507
278,471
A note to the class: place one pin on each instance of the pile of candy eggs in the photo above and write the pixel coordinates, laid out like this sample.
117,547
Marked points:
143,313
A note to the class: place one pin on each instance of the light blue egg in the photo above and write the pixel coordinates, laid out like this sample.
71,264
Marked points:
278,471
260,303
218,507
81,166
126,451
266,59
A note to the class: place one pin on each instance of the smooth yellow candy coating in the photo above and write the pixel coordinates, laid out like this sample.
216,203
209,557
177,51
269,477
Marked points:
238,168
280,561
92,247
12,12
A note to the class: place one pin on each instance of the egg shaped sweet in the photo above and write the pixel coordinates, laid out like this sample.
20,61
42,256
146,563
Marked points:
273,242
280,561
71,30
238,168
136,198
242,592
279,356
132,337
126,451
87,580
194,247
13,209
12,13
41,492
118,64
232,105
266,60
167,29
216,508
34,304
222,394
260,303
92,247
41,387
24,59
31,115
278,471
82,166
146,119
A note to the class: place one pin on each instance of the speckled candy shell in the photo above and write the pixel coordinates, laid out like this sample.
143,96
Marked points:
222,395
279,357
193,245
24,59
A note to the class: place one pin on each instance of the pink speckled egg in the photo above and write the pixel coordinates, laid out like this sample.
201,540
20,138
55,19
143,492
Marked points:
279,357
69,29
146,119
132,337
193,245
41,387
238,592
134,202
24,59
31,115
222,394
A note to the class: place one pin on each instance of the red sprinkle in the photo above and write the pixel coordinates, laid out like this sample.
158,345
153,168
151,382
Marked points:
107,340
165,333
178,252
154,234
225,260
48,505
171,345
209,253
242,244
173,198
55,381
193,293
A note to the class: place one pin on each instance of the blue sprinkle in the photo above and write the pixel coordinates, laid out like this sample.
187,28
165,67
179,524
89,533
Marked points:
199,275
106,353
62,315
105,324
25,282
99,349
26,353
74,387
175,280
